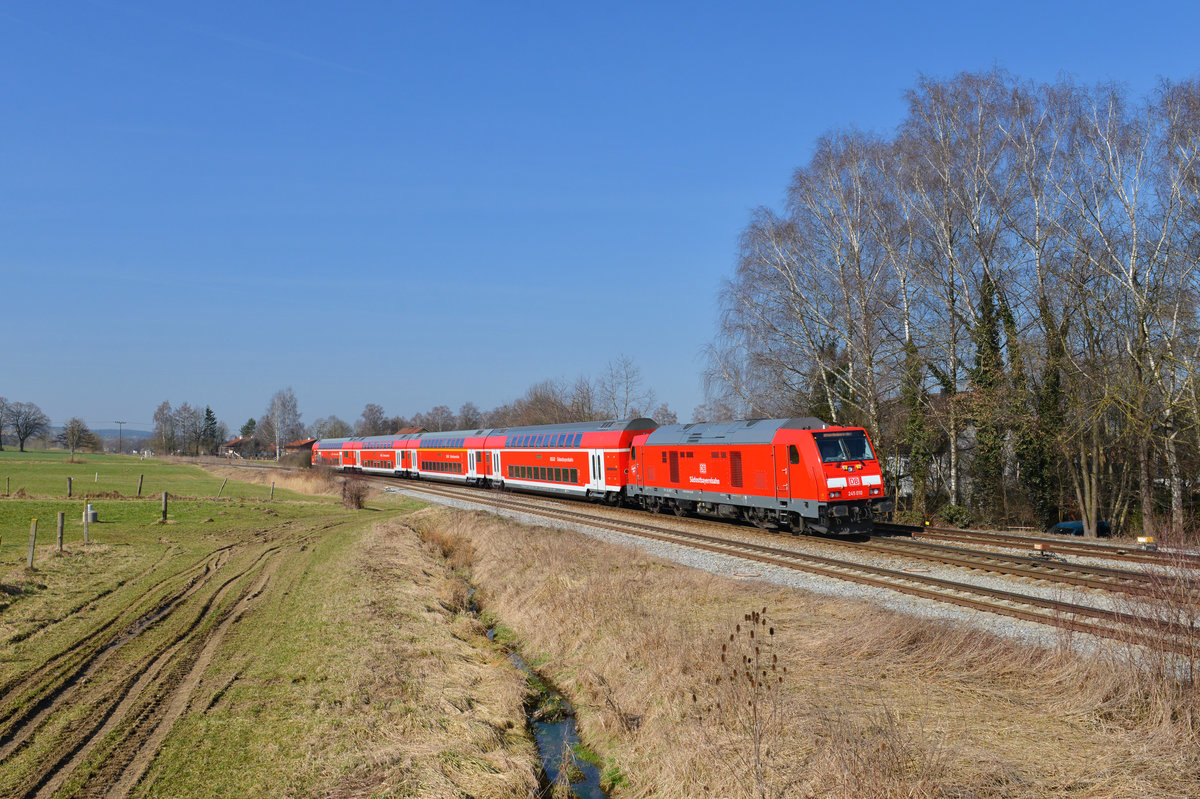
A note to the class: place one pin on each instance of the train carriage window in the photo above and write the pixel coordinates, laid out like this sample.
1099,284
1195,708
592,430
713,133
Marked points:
793,454
544,473
574,475
558,475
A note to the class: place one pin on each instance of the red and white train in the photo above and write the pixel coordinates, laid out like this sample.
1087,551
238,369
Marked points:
786,474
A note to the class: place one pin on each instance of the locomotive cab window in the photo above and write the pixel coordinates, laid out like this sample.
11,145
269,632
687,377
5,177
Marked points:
793,454
851,445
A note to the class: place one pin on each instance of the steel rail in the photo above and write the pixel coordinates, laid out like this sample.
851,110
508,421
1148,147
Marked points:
1163,557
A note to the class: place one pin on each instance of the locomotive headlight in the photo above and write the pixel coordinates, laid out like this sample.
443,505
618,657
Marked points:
834,494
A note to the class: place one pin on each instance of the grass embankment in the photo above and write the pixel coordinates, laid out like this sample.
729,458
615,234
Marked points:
873,703
246,648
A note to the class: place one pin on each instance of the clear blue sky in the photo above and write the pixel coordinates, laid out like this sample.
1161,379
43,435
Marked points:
419,204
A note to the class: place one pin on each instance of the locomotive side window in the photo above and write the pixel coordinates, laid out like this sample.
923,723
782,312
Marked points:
793,454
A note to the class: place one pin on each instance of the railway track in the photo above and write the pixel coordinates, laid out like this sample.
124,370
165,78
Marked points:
1051,544
1048,569
1102,622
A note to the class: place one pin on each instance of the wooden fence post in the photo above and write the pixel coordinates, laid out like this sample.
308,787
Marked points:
222,488
272,491
140,476
32,540
61,515
164,509
68,488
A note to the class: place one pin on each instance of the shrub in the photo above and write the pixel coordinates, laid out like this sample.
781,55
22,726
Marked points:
354,492
956,516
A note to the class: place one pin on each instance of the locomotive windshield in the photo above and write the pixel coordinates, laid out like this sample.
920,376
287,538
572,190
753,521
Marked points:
851,445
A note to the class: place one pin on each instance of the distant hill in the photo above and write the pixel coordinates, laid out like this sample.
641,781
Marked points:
114,432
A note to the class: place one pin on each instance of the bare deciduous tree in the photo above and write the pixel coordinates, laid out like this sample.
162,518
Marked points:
281,421
77,435
373,422
620,392
27,421
330,427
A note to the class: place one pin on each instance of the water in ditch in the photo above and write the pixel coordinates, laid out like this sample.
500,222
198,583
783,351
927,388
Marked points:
552,720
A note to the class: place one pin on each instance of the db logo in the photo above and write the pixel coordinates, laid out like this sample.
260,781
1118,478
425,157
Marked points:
704,468
855,481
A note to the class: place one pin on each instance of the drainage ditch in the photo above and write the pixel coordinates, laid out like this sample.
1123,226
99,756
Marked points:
567,765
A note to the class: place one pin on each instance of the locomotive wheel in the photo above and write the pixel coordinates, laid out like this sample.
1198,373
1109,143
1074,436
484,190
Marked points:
680,509
759,518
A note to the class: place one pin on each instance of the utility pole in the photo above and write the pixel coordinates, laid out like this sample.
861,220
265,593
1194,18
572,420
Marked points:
120,437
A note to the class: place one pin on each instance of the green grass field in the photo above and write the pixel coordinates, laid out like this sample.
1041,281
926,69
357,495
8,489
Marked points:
244,648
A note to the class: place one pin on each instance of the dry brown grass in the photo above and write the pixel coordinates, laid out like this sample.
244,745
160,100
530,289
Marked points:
317,482
446,709
874,704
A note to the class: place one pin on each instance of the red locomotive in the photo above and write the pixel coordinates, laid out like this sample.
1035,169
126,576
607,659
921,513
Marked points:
789,474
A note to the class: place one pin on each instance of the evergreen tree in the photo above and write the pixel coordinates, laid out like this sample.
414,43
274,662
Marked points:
1036,450
916,427
247,430
208,432
987,402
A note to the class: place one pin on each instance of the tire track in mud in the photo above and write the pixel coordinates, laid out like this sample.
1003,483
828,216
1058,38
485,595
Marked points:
54,680
87,604
156,691
181,698
153,718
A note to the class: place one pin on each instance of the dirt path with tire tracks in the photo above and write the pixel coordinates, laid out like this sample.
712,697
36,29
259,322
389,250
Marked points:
90,721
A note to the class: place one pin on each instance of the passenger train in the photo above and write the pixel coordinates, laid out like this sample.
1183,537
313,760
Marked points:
799,475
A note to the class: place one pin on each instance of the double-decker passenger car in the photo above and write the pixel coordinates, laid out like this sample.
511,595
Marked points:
587,459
